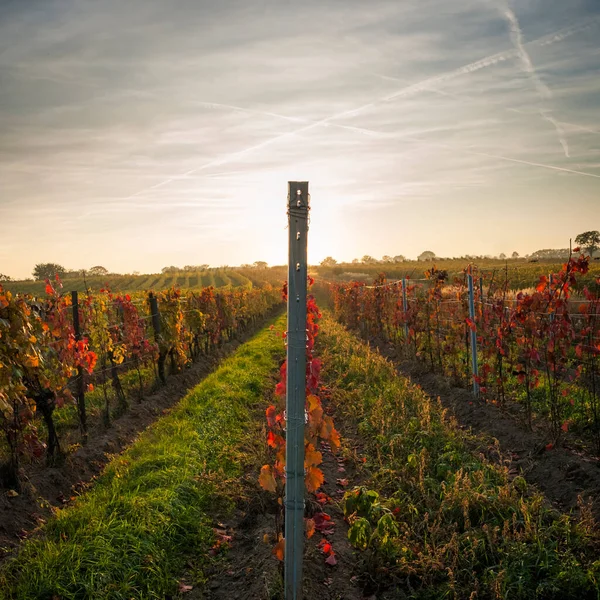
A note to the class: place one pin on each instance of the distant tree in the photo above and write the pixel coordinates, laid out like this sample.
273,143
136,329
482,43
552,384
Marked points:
515,255
136,273
4,277
502,256
551,253
43,271
590,240
427,255
245,266
355,261
260,264
368,260
98,271
399,258
170,269
328,262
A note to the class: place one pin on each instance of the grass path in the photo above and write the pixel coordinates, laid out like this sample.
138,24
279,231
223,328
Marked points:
153,509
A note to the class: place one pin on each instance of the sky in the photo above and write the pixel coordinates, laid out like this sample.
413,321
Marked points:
145,133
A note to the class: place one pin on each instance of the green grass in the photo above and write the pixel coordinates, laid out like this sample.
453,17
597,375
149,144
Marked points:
444,522
239,280
152,509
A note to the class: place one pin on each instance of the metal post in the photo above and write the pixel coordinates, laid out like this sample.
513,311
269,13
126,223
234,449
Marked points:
551,281
405,308
80,386
481,290
474,365
296,388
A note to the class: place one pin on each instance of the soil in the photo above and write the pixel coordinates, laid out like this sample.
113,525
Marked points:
562,472
249,571
44,488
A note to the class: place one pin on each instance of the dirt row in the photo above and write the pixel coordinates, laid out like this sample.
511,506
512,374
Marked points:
249,570
563,473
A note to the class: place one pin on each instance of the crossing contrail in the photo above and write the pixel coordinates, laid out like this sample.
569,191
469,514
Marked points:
543,90
482,63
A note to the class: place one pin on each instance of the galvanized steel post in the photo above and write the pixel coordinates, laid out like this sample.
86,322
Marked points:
475,367
296,387
405,309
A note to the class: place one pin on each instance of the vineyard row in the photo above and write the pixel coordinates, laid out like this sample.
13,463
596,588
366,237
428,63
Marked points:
538,348
56,349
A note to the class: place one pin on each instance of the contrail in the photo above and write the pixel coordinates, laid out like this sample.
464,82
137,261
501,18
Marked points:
411,89
527,162
497,156
581,127
250,111
557,124
482,63
546,114
517,39
516,35
560,35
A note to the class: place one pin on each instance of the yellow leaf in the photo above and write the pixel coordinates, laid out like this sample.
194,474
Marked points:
310,528
32,361
266,479
335,440
313,402
279,549
316,415
314,479
312,457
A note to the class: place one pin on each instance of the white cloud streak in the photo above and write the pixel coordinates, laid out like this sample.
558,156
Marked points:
543,90
424,85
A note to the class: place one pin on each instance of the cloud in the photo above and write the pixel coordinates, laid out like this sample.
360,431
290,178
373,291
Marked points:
543,90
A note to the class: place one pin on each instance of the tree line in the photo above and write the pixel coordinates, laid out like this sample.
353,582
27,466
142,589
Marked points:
589,241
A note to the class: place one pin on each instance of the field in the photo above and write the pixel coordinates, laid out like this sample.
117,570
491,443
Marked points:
408,494
519,273
185,280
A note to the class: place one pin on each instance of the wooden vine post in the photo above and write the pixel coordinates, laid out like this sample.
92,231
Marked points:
296,388
80,383
157,331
